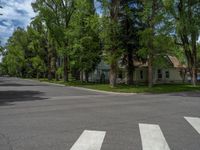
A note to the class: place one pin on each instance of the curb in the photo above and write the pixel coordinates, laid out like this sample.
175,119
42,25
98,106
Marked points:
101,91
52,83
44,82
83,88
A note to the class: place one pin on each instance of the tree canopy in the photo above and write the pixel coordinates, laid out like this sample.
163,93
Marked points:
67,39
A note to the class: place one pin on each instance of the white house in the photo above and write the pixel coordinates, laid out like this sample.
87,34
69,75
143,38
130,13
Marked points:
170,74
173,73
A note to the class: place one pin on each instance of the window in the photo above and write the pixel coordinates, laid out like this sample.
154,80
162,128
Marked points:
141,74
167,74
159,74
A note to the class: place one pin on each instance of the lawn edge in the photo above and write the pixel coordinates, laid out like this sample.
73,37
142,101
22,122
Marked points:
104,91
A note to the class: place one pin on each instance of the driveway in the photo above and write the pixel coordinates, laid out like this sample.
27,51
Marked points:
40,116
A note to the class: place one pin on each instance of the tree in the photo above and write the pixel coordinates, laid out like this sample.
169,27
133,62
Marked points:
57,16
85,40
38,65
25,54
38,44
14,60
154,39
185,15
131,24
110,35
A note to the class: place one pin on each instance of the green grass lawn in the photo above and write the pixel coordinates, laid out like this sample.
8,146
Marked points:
164,88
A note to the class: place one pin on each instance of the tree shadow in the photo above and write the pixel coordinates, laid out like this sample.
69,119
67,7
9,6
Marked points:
16,84
9,97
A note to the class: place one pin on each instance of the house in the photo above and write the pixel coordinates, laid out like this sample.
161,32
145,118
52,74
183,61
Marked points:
171,72
100,74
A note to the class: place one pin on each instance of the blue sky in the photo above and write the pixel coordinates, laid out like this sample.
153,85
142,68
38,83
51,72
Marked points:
16,13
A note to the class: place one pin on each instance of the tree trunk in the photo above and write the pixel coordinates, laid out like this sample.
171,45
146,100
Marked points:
86,76
81,76
44,75
38,74
54,59
56,77
194,76
150,72
194,60
150,43
183,74
130,68
49,67
113,74
65,69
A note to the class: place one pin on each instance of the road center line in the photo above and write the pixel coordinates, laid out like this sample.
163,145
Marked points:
89,140
194,122
152,137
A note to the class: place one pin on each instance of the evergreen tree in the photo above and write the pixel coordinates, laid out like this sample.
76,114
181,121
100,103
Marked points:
131,24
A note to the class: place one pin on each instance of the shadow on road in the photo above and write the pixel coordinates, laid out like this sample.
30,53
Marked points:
8,97
16,84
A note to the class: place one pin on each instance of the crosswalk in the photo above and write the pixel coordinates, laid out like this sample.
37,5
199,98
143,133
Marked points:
152,137
89,140
195,123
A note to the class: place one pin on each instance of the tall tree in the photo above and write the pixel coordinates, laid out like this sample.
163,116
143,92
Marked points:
38,44
14,57
131,23
85,40
57,16
153,37
111,36
185,15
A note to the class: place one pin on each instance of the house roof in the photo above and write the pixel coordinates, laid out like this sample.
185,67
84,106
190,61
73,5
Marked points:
173,60
140,64
176,63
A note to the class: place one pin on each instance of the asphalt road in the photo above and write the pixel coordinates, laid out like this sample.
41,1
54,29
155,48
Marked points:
40,116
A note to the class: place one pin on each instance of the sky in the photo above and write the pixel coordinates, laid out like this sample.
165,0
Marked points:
16,13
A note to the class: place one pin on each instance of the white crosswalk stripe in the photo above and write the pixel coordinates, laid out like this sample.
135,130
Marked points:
89,140
194,122
152,137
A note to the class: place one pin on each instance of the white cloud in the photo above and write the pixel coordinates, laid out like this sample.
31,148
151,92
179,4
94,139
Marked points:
16,13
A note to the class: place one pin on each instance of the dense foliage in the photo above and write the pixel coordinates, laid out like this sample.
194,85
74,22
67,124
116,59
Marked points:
69,38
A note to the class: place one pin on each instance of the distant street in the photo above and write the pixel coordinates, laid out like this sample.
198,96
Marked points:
41,116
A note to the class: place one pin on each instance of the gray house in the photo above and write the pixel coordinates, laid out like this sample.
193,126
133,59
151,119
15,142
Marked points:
100,74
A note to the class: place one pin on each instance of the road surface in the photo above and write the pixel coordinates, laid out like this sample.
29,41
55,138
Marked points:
41,116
